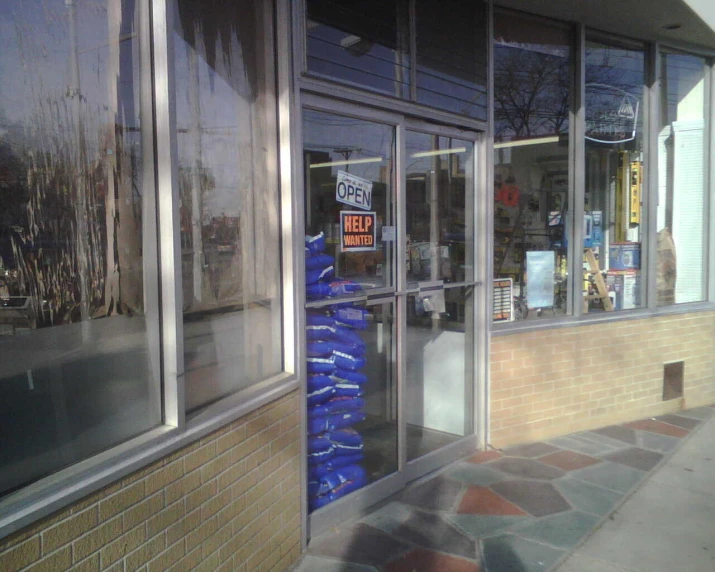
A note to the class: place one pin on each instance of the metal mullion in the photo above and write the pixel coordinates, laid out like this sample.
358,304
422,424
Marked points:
312,84
150,246
167,183
710,181
421,126
577,172
400,277
483,236
413,48
652,121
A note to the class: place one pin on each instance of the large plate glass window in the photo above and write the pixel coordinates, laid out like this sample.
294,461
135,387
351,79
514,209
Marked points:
227,156
365,43
682,200
429,52
451,57
613,220
79,329
532,78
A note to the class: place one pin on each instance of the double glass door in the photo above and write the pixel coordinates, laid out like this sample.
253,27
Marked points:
390,277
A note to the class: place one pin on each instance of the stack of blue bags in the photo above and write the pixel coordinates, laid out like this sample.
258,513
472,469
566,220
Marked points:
335,356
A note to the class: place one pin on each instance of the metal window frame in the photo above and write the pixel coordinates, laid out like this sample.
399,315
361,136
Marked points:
396,294
343,90
650,182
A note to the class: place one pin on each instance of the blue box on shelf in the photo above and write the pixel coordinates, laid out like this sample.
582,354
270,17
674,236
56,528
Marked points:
624,256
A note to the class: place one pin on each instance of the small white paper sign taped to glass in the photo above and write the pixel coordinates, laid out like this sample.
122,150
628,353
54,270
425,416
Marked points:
540,278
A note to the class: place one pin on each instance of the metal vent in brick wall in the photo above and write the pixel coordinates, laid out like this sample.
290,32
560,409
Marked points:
673,374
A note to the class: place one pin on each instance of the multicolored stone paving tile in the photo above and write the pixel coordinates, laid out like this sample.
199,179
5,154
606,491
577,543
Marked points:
518,510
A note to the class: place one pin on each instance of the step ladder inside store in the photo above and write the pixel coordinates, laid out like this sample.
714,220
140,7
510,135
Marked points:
602,291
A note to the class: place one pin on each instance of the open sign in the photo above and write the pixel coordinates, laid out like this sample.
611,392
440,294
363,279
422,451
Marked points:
353,191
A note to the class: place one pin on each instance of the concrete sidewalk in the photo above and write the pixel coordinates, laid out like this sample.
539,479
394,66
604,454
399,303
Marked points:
535,507
667,524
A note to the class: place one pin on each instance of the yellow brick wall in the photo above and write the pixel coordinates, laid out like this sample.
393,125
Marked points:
230,502
554,382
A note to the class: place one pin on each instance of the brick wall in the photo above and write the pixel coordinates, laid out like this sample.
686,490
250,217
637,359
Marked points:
228,502
554,382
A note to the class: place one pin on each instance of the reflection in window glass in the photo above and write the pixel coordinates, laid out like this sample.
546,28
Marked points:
613,234
440,181
78,371
227,148
682,187
336,147
451,56
532,62
364,42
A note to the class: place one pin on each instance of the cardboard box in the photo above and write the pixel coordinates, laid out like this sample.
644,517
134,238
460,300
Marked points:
625,284
624,256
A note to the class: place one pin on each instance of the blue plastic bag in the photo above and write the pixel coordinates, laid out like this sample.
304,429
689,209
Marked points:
321,365
317,425
336,405
346,361
324,348
319,396
313,276
315,244
350,377
347,390
314,333
315,471
353,316
354,480
317,291
319,261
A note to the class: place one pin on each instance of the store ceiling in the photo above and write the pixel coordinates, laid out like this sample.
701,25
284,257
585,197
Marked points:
642,19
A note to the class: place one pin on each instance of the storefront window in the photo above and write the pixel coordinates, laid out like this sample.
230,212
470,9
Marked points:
227,146
78,323
365,43
368,44
613,220
451,56
532,67
682,202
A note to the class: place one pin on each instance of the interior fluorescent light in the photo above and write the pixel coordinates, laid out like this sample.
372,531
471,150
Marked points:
347,162
438,152
522,142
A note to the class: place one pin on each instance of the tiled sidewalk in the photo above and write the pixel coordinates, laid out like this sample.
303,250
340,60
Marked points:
518,510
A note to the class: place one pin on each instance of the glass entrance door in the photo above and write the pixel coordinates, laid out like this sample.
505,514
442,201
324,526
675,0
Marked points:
390,278
439,340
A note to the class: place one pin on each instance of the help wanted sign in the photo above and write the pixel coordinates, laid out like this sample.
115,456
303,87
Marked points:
357,231
353,191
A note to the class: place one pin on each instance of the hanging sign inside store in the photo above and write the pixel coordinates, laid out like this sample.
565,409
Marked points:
357,231
611,114
353,191
503,305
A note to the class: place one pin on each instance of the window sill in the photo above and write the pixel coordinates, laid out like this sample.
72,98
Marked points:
602,318
52,493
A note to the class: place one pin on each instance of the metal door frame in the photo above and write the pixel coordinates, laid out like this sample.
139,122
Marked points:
358,502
